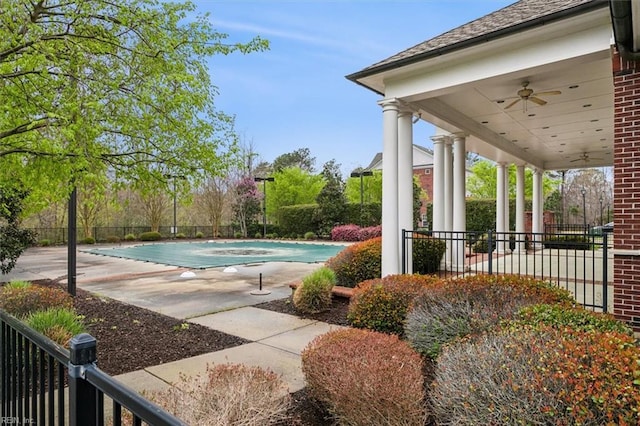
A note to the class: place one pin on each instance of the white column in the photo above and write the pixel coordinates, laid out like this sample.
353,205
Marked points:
448,201
459,199
500,206
438,183
536,216
390,247
405,183
520,200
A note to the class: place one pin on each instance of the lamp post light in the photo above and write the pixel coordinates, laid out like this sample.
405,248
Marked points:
264,181
601,210
361,175
584,209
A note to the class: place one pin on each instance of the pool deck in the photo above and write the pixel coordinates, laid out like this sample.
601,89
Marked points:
214,298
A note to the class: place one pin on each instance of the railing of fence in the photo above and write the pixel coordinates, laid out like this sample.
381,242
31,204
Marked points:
580,263
42,383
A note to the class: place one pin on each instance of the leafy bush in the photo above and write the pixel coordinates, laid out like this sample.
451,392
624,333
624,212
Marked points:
370,232
545,376
88,240
113,239
130,237
228,395
258,235
313,295
237,235
348,232
199,234
427,254
310,235
150,236
44,243
181,236
482,245
358,262
366,378
382,304
58,324
576,317
458,307
21,301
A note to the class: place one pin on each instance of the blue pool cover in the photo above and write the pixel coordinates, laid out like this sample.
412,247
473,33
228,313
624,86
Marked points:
203,255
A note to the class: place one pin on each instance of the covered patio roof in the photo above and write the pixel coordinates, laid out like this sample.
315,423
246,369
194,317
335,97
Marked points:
468,79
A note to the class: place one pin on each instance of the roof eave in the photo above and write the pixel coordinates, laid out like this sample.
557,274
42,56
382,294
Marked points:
577,10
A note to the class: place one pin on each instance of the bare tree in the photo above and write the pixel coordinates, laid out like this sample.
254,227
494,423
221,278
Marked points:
211,199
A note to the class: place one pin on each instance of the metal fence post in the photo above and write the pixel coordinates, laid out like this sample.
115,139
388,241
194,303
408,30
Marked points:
605,273
404,252
82,395
490,250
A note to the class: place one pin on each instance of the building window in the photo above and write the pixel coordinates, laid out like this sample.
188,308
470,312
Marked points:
427,171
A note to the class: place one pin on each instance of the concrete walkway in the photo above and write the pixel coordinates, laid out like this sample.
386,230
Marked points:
214,298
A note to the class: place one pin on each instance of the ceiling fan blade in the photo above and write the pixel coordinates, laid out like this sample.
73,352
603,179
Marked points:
577,159
512,103
537,100
550,92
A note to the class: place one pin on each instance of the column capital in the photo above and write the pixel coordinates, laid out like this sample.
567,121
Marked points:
459,135
389,104
440,139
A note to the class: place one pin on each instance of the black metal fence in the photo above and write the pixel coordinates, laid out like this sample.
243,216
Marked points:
578,262
42,383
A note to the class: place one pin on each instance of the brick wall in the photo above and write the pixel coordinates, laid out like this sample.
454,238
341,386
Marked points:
626,203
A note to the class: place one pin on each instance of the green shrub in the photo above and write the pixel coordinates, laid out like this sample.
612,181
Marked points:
571,242
130,237
181,236
427,254
88,240
366,378
357,262
258,235
457,307
199,234
576,317
482,245
44,243
238,234
17,284
150,236
313,295
113,239
310,235
58,324
539,376
382,304
229,394
21,301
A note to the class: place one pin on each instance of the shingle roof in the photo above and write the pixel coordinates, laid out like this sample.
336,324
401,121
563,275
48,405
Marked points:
501,22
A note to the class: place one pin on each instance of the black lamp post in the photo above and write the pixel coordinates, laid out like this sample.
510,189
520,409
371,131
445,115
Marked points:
264,202
174,232
361,175
584,209
601,210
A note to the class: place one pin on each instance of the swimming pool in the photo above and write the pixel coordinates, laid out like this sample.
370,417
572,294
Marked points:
211,254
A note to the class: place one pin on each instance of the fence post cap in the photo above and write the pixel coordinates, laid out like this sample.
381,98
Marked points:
82,349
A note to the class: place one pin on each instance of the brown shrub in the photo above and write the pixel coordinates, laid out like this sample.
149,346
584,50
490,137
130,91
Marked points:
358,262
229,394
473,304
366,378
382,304
21,301
539,376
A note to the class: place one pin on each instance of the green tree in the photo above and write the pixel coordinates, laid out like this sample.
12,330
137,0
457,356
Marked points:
299,158
371,188
14,239
123,83
483,181
332,203
292,186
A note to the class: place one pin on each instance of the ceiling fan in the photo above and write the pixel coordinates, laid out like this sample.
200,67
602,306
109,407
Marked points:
585,157
525,94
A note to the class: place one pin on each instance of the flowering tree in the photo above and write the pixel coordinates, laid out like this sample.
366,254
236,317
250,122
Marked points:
246,204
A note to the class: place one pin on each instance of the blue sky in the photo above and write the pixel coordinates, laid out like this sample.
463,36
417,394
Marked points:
295,95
